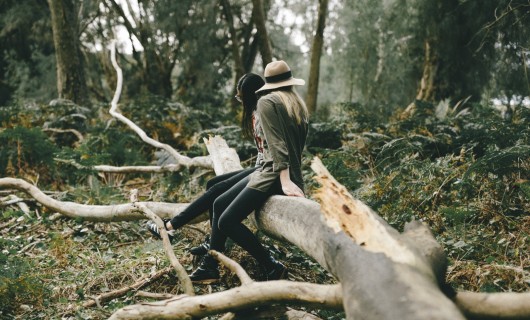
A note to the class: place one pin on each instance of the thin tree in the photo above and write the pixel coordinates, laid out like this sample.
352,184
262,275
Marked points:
316,53
71,83
258,12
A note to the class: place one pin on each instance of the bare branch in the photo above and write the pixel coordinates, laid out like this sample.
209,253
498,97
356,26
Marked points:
181,272
123,291
233,266
240,298
203,162
12,199
98,213
78,134
500,306
160,296
124,169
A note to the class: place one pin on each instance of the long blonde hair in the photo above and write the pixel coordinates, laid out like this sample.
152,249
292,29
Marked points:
294,104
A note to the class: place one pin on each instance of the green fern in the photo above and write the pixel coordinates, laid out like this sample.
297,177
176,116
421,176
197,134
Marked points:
500,162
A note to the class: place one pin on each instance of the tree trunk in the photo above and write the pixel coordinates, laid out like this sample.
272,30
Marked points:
426,91
239,69
71,83
157,60
316,53
157,73
384,274
265,47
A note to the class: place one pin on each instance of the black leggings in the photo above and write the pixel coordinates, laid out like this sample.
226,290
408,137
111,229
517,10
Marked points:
230,209
214,188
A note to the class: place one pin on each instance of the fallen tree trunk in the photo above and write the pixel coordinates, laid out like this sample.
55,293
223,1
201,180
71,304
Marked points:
384,275
489,306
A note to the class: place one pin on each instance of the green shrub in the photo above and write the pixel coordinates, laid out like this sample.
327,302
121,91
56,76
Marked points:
26,150
18,285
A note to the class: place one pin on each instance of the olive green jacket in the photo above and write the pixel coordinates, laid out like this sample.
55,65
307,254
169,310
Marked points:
283,142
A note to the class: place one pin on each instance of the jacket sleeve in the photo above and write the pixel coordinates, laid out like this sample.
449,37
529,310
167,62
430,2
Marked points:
273,129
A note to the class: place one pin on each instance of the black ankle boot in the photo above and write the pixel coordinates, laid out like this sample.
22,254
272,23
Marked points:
277,271
207,272
201,249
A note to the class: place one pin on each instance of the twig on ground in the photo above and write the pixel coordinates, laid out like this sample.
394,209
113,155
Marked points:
159,296
122,291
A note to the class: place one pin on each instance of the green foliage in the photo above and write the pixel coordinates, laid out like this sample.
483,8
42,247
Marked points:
27,60
500,162
324,135
25,150
171,122
462,169
18,284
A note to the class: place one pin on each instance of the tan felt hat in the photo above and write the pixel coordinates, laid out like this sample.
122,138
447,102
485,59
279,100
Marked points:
277,75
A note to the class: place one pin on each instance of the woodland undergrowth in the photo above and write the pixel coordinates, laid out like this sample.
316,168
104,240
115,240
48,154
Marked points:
462,169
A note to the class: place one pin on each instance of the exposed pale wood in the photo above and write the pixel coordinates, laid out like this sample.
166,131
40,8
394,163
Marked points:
499,306
377,282
203,162
244,297
344,213
97,213
224,159
13,199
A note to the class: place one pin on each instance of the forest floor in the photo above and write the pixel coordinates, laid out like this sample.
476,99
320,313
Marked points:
58,264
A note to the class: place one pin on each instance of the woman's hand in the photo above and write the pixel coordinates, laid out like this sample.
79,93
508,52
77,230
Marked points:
289,188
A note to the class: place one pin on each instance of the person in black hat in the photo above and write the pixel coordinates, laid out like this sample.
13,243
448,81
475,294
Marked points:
280,128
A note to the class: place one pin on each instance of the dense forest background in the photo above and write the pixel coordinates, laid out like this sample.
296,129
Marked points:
421,110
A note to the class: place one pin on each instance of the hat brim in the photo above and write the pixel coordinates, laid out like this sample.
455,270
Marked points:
286,83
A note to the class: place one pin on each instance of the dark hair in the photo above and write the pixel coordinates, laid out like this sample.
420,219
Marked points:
247,86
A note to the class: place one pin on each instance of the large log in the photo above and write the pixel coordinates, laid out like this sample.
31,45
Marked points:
384,274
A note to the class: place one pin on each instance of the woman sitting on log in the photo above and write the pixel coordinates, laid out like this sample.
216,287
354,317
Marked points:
246,95
280,128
